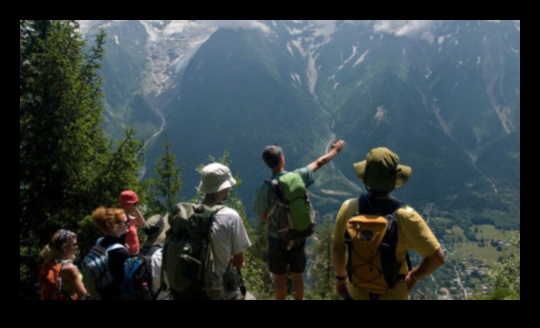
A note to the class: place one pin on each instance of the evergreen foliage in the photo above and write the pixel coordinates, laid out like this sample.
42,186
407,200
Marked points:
506,276
321,271
68,166
164,190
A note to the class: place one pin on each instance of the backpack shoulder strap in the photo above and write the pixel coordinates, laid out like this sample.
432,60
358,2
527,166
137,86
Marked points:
368,205
114,246
274,186
217,208
153,249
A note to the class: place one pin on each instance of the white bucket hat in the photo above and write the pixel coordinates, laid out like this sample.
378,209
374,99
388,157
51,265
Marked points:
215,177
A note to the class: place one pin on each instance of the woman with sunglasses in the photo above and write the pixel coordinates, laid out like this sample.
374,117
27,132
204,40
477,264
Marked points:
113,224
59,277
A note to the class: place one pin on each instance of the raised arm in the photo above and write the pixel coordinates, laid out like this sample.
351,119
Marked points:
321,161
139,219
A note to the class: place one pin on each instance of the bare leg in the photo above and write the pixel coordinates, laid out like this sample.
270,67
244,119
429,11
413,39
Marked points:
280,286
298,284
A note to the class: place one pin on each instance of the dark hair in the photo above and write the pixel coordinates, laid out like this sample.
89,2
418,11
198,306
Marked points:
271,155
60,238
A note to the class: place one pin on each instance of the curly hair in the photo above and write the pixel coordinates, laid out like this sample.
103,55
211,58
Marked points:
105,219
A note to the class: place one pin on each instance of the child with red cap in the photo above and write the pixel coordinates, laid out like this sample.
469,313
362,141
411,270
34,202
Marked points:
128,202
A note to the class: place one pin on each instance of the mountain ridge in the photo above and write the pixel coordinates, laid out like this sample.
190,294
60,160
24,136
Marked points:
443,94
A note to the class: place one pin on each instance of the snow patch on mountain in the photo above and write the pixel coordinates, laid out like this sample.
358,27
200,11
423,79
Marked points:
361,58
170,46
348,59
315,34
380,115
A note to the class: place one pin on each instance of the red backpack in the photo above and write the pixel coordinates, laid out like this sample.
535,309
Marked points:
50,282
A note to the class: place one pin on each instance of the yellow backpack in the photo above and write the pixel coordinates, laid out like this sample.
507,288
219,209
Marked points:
371,238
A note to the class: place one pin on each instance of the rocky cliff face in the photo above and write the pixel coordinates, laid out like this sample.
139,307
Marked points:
445,95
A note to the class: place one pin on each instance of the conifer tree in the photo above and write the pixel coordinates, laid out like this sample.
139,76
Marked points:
321,271
165,188
68,166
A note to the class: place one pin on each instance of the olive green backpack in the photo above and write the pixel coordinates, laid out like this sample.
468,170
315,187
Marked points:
187,256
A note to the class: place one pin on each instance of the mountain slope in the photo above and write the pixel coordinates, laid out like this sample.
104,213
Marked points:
444,95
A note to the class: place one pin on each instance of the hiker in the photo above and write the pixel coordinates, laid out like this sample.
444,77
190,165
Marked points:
128,202
113,224
281,255
155,229
228,234
381,173
206,243
60,279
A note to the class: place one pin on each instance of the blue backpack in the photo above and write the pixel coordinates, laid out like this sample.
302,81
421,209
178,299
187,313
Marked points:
138,275
95,269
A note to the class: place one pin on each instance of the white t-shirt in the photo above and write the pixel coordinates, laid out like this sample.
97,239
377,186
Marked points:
229,237
156,275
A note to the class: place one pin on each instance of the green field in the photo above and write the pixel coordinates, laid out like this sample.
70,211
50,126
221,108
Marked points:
490,232
488,253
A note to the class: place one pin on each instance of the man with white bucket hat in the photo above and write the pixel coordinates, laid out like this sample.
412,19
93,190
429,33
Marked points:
228,234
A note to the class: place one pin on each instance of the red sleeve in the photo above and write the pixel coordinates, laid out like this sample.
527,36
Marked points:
132,240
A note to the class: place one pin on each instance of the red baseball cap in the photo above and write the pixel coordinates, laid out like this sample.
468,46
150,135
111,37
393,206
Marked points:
128,197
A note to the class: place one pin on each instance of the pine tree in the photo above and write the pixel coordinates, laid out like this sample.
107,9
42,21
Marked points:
321,270
165,188
68,166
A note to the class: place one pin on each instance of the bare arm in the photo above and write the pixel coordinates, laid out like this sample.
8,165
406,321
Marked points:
238,260
324,159
139,219
71,278
339,260
426,267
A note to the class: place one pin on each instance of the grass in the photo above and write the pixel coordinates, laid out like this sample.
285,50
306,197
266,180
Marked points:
490,232
458,232
488,254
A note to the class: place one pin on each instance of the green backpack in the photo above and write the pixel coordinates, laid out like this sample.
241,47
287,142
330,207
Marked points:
187,255
291,213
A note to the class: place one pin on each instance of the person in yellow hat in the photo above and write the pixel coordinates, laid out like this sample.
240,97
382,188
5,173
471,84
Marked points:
381,173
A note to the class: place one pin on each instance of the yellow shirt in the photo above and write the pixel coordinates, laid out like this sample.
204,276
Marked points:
413,233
